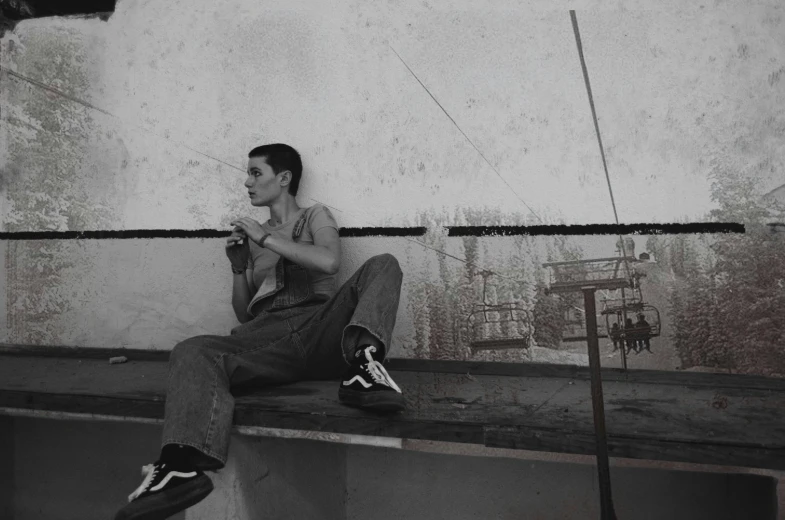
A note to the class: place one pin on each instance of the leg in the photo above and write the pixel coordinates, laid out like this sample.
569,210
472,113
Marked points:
199,404
350,334
362,312
199,409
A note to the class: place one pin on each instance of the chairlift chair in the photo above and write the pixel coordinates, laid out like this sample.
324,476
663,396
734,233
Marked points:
481,320
632,310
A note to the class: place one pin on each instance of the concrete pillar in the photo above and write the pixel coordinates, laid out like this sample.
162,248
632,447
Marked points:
277,479
6,466
74,469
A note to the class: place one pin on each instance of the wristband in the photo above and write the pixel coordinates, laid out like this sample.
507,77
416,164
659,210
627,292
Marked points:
237,270
261,240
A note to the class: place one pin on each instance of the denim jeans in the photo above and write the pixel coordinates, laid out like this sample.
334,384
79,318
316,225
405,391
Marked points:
310,340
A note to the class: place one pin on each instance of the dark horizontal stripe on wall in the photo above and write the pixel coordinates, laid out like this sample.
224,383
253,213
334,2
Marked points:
193,233
597,229
383,232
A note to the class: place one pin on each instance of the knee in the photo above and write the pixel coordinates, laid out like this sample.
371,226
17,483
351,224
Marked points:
388,262
187,349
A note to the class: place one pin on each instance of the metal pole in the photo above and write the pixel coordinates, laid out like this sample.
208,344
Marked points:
624,321
603,469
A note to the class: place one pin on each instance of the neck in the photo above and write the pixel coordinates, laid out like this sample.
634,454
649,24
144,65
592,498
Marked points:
282,210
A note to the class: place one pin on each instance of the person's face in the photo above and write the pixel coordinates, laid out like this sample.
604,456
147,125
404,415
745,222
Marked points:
263,185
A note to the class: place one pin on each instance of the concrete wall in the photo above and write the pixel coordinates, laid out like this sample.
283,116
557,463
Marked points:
7,467
90,467
406,484
683,92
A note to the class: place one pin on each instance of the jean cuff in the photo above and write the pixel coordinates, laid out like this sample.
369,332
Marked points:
349,358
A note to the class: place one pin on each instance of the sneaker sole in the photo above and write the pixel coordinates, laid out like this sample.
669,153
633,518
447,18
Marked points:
160,506
386,401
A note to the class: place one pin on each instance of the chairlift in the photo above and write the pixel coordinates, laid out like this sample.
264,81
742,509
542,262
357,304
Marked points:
642,323
603,273
497,326
606,276
635,320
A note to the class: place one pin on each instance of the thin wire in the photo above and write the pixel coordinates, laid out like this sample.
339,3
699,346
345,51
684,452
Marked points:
597,130
103,111
479,267
466,136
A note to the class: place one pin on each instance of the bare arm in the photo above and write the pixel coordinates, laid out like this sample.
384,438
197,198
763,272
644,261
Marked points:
323,255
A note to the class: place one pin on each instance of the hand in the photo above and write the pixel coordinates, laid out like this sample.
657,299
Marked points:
250,227
237,248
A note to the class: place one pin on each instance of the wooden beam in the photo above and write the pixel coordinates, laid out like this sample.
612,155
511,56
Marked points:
550,370
660,416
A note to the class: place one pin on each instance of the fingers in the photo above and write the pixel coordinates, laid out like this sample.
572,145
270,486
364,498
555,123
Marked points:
236,238
239,233
234,241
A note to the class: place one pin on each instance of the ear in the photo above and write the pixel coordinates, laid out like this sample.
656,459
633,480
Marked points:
285,178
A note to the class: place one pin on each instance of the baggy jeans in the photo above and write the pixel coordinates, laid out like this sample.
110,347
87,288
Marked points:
314,340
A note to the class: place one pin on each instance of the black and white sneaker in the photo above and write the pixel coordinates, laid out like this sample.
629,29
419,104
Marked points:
165,491
367,384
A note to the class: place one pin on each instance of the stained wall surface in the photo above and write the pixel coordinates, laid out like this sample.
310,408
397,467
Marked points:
179,92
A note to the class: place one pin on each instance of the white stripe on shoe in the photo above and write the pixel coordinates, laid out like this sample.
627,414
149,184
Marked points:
359,380
169,477
378,372
148,472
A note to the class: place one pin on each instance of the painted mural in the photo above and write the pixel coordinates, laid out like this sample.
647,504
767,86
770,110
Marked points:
405,116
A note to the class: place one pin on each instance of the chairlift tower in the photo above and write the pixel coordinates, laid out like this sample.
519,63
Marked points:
587,277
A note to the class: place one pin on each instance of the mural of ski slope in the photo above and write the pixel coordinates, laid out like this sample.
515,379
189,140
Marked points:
687,97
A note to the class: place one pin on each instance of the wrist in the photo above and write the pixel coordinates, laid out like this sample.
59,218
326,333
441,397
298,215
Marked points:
263,239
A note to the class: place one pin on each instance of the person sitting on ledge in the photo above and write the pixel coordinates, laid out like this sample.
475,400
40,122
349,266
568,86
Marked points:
294,326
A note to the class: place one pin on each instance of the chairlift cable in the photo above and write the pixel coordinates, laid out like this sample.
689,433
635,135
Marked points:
466,136
524,282
603,466
597,131
80,101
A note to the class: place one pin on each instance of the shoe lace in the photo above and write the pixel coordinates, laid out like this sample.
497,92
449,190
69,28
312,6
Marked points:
377,371
149,472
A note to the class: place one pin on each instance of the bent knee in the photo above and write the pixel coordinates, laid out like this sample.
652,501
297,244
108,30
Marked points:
189,348
387,260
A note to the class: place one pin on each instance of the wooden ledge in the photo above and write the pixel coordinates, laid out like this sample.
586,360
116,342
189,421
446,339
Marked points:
659,377
701,418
